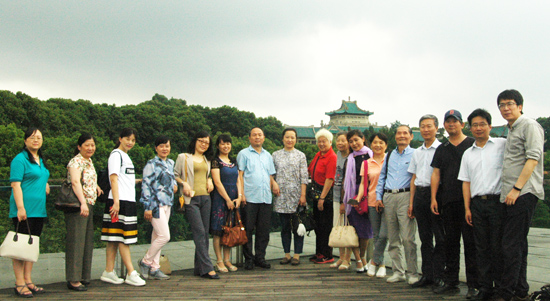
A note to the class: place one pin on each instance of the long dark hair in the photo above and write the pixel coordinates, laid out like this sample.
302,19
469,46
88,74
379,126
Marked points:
29,132
202,134
83,138
222,139
357,133
126,132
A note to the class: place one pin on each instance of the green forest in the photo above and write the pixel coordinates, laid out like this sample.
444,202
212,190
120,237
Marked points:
63,120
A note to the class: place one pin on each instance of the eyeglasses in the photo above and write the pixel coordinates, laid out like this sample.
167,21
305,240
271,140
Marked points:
479,125
34,138
205,142
506,105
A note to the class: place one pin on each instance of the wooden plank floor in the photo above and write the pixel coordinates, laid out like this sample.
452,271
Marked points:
304,282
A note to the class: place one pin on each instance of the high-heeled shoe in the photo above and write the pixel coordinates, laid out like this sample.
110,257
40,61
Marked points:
19,293
230,267
360,269
344,266
336,264
220,269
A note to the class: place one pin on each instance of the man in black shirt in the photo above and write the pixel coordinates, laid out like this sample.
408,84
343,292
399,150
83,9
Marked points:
446,165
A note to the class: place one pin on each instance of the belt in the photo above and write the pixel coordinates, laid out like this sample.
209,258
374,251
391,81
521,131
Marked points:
397,190
488,196
420,188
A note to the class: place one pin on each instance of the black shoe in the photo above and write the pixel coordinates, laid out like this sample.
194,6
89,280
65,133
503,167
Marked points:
472,292
80,288
263,264
446,289
208,276
85,282
248,265
483,295
423,282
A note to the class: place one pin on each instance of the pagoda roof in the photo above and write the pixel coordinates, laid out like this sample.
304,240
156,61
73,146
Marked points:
349,108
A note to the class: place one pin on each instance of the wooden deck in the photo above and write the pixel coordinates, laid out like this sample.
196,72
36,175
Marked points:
304,282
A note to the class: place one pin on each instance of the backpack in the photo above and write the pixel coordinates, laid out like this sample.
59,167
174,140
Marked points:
543,294
104,183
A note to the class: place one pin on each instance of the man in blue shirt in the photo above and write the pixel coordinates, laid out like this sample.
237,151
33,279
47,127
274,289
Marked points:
256,170
393,194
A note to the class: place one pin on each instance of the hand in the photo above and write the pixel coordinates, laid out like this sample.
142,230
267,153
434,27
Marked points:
237,202
276,190
230,205
410,212
469,218
209,186
511,197
379,205
148,215
302,201
175,188
21,214
84,211
99,191
113,211
320,204
342,208
243,200
434,208
186,189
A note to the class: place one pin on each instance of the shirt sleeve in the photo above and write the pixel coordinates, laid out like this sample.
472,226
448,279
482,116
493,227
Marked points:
534,141
179,167
303,169
331,168
412,165
464,174
362,172
147,187
272,170
241,161
382,180
17,169
115,160
436,161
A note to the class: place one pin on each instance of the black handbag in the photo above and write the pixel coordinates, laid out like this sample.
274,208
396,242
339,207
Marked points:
303,215
67,201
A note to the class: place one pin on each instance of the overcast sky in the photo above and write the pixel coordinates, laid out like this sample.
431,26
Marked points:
294,60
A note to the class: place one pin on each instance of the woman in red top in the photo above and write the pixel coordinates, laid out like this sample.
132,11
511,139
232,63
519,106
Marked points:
322,170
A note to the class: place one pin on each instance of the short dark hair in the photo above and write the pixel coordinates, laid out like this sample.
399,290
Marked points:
429,116
511,94
193,143
342,133
290,129
380,136
410,130
479,113
256,127
352,133
83,138
161,140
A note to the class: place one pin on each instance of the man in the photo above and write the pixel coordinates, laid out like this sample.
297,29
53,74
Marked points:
393,194
256,170
480,173
446,164
429,225
521,189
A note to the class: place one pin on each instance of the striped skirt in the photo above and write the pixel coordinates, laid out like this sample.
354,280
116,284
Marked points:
125,230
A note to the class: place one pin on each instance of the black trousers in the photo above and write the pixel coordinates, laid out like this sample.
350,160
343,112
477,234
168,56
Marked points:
454,223
323,226
256,217
430,227
515,228
487,217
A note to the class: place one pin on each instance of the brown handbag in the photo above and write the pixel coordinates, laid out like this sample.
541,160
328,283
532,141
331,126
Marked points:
234,235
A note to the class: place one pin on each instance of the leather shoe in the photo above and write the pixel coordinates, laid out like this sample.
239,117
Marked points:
208,276
472,292
248,265
423,282
263,264
80,288
85,282
445,289
483,295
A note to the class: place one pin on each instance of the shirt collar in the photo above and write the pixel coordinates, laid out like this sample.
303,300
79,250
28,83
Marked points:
435,144
518,121
406,150
87,162
491,140
250,148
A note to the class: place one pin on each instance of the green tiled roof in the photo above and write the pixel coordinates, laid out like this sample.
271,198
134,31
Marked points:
499,131
349,107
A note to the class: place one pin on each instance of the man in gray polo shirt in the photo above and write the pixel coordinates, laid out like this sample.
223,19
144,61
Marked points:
521,189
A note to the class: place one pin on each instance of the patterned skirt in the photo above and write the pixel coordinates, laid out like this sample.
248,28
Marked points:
125,230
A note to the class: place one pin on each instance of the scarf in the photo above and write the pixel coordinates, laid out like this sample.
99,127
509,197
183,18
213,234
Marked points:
350,186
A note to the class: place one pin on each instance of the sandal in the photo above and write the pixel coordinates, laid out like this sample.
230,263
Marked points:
220,269
20,293
35,289
231,267
336,264
344,265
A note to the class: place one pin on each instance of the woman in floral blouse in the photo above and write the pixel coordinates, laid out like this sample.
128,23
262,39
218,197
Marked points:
292,177
80,225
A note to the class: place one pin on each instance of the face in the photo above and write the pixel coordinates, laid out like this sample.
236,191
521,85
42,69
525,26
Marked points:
402,136
34,141
256,137
87,149
126,143
378,146
453,126
202,144
480,128
163,150
356,142
323,144
224,148
509,109
428,129
342,143
289,139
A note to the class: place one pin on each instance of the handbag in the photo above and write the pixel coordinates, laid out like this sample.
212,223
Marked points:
165,266
343,236
234,235
67,201
363,206
303,216
20,246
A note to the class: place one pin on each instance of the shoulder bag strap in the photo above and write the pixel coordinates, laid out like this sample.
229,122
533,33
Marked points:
386,172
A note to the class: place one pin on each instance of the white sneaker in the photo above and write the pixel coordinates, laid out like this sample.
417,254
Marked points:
396,277
413,280
381,273
371,269
134,279
111,277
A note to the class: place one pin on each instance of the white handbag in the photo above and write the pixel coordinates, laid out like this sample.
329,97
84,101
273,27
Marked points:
343,236
21,246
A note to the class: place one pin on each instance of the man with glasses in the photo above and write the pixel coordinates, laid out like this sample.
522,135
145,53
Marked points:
522,178
480,173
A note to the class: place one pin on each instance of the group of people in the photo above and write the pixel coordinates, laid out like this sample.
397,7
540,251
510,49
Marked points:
482,189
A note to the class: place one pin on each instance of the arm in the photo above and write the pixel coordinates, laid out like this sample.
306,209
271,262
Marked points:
114,189
436,179
78,189
274,186
302,201
147,192
241,184
410,212
18,197
240,194
326,188
467,201
526,172
221,189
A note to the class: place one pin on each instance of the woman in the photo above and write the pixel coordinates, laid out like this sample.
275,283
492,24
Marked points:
343,151
352,182
119,228
192,174
226,197
292,178
379,144
79,246
322,170
157,193
29,183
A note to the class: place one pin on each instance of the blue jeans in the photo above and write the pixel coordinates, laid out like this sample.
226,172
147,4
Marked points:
286,235
380,235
